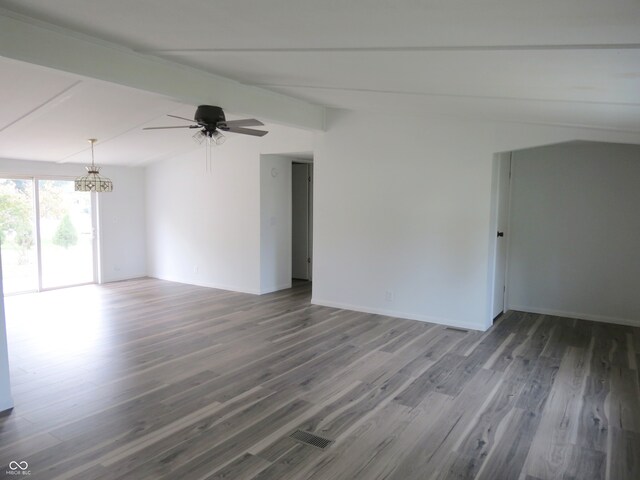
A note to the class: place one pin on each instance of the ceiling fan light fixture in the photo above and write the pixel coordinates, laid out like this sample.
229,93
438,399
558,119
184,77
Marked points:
199,137
93,181
218,137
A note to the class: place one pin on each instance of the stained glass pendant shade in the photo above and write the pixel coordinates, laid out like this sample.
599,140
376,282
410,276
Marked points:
93,181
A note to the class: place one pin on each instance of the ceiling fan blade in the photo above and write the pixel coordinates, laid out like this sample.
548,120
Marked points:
246,122
162,128
181,118
246,131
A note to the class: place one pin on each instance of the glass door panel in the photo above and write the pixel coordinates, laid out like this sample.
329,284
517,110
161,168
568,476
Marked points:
17,236
66,234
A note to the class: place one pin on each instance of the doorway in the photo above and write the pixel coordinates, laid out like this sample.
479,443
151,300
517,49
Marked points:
500,233
302,221
47,234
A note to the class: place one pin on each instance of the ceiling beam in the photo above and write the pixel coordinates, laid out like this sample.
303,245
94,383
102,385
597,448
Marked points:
38,43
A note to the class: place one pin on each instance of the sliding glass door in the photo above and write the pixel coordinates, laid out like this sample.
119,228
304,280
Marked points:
66,234
18,235
47,233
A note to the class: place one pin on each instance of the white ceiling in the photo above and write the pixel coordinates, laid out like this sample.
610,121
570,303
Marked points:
575,62
49,115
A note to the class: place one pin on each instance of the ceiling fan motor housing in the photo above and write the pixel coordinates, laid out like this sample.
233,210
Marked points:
209,116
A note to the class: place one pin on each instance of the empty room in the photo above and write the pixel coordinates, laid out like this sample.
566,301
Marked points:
317,240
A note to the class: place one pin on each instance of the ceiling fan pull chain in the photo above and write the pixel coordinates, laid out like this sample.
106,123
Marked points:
208,159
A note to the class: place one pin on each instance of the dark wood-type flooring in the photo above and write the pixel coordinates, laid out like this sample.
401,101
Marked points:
149,379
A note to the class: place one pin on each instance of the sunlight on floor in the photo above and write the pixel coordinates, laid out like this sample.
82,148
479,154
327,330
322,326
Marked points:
57,321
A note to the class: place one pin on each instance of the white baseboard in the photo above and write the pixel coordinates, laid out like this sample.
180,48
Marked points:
577,315
219,286
398,314
120,278
229,288
275,289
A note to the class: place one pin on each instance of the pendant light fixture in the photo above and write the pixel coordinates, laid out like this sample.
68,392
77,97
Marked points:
92,181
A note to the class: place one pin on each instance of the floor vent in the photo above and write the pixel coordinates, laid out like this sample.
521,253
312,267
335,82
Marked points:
311,439
457,329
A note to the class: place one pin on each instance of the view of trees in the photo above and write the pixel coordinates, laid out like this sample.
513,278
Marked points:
66,234
16,215
64,255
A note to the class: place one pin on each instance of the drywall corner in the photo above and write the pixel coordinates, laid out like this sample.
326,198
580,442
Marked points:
6,401
275,223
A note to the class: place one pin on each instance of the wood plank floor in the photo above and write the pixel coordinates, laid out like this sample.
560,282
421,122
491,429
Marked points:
149,379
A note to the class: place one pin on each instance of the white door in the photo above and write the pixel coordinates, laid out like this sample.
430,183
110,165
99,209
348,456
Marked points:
300,254
504,176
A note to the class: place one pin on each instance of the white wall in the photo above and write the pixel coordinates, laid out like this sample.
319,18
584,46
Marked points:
275,223
122,226
6,401
121,214
575,231
204,228
403,212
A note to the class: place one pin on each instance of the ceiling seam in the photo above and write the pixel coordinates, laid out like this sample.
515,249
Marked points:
47,103
445,95
440,48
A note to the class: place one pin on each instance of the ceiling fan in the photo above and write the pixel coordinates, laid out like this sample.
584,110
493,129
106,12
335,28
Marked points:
211,122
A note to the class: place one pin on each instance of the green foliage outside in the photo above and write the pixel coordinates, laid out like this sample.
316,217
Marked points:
52,203
15,216
66,234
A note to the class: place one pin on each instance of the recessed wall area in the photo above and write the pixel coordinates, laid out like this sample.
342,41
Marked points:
302,220
285,221
227,226
574,231
404,225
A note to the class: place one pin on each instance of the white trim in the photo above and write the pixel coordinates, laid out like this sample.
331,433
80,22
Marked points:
393,313
95,234
577,315
31,176
509,243
36,226
493,226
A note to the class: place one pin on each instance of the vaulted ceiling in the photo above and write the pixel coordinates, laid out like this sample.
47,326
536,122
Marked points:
575,62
